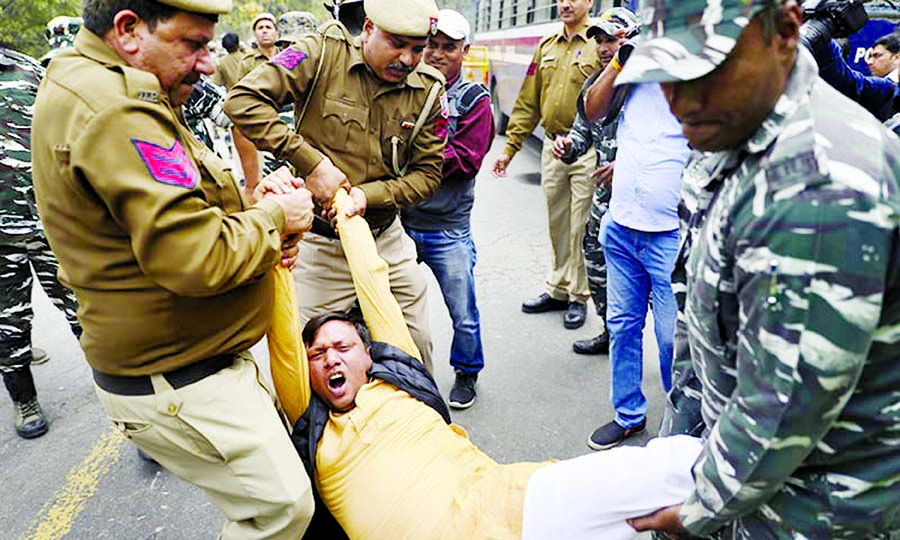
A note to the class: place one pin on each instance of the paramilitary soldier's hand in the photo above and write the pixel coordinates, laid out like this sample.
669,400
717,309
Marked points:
324,181
298,210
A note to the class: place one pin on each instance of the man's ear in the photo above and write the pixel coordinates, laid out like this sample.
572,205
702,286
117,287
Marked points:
465,50
788,24
125,25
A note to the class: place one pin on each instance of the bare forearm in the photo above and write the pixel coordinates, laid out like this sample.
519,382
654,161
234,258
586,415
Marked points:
600,94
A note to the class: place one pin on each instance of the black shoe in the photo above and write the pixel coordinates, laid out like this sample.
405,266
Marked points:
543,304
594,345
575,315
612,434
462,396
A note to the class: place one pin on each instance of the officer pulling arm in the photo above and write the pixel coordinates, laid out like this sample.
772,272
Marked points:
253,107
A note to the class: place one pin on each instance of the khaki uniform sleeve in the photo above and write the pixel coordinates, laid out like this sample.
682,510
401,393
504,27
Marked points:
423,175
254,101
181,241
526,112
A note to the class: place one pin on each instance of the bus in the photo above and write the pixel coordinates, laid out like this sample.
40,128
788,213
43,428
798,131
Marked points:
511,29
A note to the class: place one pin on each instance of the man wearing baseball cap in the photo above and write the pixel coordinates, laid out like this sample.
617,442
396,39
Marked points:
171,266
440,226
370,118
790,246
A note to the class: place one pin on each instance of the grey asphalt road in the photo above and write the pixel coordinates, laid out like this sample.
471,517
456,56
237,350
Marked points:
536,398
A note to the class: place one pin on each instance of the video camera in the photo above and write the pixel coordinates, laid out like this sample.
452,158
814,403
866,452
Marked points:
840,18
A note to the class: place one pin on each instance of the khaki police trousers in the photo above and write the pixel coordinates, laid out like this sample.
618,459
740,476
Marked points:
223,434
324,283
568,190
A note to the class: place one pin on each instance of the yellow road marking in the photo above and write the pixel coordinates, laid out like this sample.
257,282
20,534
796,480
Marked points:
59,513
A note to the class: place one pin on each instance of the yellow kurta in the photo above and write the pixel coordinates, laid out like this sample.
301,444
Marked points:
391,468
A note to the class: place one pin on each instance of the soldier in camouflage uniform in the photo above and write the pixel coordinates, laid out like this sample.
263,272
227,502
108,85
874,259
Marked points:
792,259
22,242
601,135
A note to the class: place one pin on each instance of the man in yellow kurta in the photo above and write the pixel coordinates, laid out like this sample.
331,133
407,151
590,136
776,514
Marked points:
387,463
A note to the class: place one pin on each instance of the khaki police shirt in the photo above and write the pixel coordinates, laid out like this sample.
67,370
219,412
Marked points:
169,264
551,86
351,118
229,70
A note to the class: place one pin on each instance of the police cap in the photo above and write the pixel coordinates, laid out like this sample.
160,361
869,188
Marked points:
410,18
206,7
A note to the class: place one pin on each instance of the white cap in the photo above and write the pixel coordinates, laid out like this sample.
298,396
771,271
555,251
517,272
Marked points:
453,24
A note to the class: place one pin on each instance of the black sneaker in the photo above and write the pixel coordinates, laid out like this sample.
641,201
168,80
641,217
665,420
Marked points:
462,395
612,434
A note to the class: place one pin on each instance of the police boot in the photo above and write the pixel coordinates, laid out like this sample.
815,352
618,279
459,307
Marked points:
29,419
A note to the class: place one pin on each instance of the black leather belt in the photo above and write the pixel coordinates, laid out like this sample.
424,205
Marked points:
323,228
140,385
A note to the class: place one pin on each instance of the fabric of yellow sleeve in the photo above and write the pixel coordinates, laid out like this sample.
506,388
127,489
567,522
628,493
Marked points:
287,355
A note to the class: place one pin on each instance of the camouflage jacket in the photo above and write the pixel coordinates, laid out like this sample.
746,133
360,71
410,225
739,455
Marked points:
20,76
585,134
792,319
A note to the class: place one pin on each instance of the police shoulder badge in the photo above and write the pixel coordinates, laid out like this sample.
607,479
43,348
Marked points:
170,166
289,58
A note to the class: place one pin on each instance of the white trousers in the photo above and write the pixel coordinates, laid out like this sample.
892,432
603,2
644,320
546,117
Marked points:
590,497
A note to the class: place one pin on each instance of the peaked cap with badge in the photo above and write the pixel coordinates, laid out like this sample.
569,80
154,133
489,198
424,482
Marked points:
410,18
206,7
687,39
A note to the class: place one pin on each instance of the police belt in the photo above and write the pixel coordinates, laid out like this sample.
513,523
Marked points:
140,385
323,228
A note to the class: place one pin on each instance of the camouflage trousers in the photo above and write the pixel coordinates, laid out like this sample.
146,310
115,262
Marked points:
594,259
17,258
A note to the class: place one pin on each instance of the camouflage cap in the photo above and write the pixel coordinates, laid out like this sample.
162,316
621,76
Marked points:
687,39
293,25
410,18
613,20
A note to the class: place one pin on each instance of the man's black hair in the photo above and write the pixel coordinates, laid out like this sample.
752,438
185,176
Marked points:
312,327
231,42
99,15
891,42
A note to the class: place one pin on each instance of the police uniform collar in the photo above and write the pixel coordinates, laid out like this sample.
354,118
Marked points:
92,46
139,84
581,33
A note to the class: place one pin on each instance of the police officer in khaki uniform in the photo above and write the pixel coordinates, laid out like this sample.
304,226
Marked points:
363,119
170,264
265,30
561,64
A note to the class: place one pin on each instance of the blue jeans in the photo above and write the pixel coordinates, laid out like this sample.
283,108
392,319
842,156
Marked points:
450,254
638,264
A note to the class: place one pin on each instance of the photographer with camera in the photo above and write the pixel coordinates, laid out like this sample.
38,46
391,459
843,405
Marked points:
827,20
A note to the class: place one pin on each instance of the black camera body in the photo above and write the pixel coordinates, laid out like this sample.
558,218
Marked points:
842,18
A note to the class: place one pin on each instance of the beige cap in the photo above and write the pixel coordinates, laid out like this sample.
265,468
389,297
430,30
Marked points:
411,18
264,17
209,7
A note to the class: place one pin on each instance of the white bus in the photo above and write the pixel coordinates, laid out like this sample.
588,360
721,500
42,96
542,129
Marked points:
511,30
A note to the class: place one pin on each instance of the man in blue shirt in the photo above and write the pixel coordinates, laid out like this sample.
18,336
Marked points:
640,236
